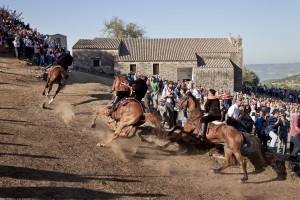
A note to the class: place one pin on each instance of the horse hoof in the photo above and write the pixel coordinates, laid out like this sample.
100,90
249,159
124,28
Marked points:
242,180
93,125
100,145
51,101
44,94
215,171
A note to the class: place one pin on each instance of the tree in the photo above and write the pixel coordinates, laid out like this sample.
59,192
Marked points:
117,28
249,77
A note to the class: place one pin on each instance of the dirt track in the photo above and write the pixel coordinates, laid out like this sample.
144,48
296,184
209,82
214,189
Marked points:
52,153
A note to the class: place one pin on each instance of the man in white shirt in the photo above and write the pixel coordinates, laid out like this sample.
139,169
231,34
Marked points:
233,114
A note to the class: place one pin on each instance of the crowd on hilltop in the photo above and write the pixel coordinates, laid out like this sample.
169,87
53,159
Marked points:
24,41
270,113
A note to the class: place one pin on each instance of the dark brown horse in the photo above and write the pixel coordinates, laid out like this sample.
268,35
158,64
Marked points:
231,138
55,75
129,114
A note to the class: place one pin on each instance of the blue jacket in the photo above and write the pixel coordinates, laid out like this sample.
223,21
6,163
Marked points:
271,124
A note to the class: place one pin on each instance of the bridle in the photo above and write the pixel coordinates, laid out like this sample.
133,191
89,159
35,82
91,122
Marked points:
114,88
184,99
191,121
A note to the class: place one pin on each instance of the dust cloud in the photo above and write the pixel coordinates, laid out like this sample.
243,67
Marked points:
105,134
66,111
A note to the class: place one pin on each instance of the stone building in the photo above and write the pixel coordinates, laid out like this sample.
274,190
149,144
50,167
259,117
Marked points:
59,39
209,62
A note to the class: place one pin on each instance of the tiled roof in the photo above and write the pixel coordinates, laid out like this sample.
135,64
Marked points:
215,63
171,49
98,43
167,49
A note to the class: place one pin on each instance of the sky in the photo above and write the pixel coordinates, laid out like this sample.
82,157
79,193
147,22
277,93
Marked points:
270,29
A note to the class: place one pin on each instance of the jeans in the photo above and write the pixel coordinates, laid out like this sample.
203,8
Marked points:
292,139
184,117
273,140
17,52
42,60
296,149
282,139
147,102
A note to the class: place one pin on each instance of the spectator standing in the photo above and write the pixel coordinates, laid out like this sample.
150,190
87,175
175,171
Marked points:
42,55
261,129
146,98
273,123
293,126
283,134
296,140
17,45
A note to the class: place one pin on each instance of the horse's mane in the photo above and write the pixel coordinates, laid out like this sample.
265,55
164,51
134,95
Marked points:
189,94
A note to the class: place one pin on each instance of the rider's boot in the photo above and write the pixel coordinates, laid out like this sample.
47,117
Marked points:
113,106
203,133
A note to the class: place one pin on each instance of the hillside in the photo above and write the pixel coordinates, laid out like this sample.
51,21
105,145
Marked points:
274,71
290,82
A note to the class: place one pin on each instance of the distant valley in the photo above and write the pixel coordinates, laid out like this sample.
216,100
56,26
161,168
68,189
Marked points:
274,71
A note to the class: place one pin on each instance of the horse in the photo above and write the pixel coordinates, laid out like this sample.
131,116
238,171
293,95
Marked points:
231,138
129,113
55,75
120,84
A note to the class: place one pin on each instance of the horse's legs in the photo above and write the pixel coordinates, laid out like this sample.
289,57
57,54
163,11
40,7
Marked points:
46,86
227,163
243,164
116,135
125,133
57,91
110,120
94,118
50,87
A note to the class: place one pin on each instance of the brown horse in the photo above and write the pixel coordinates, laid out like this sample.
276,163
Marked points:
55,75
120,84
231,138
128,114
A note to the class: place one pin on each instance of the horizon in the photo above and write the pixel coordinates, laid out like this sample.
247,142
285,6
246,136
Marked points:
268,29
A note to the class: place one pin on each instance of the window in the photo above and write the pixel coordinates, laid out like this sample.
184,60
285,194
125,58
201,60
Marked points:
155,69
133,68
57,40
96,62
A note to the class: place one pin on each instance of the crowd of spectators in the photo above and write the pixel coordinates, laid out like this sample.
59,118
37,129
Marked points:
270,113
25,42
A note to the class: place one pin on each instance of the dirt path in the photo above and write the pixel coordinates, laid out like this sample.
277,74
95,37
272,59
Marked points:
52,153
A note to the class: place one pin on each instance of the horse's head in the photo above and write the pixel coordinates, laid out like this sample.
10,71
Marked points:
182,103
120,83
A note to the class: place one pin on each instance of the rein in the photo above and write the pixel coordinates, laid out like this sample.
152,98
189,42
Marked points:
124,84
189,120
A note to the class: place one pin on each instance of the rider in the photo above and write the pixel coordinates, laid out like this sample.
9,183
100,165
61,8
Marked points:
212,107
119,93
138,87
65,60
234,114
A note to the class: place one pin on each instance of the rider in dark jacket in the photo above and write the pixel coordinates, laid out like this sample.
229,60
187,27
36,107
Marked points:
212,107
139,88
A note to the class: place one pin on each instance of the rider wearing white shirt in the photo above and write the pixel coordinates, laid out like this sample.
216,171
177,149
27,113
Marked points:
233,114
234,111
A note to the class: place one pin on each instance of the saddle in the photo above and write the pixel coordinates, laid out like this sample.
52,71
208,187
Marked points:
126,100
213,126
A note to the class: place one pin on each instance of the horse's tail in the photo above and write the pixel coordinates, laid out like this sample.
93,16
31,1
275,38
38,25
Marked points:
256,146
156,121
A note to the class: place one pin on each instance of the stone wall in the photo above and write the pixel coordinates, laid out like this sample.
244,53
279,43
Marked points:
215,78
167,70
83,58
